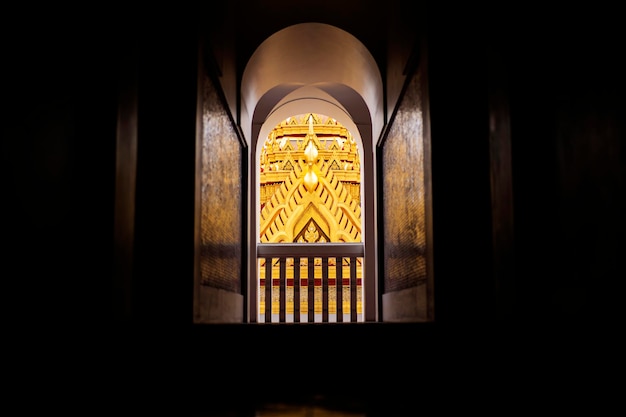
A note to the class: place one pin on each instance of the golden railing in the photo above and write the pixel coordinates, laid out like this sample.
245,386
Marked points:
310,282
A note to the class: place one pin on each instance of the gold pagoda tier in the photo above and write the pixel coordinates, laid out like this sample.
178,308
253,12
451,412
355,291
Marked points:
310,182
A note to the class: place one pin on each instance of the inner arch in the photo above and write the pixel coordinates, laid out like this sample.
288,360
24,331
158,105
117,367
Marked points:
312,54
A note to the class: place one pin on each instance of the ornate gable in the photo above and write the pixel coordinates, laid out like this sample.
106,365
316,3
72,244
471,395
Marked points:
315,194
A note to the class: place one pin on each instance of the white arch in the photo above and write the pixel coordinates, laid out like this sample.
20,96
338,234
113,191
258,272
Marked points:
315,67
312,54
305,100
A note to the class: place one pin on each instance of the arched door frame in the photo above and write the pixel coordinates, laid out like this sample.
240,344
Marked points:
320,83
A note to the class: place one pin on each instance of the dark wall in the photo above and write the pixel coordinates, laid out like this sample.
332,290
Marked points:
561,74
62,89
464,288
568,130
167,94
60,101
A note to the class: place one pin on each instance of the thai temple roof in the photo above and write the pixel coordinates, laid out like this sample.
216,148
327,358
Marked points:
310,182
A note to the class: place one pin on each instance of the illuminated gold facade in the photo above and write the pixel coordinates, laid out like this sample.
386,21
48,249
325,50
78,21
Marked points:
310,183
310,187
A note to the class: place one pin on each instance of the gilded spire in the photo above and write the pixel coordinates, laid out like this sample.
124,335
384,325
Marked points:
310,178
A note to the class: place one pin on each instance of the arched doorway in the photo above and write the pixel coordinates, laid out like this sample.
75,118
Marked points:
310,193
335,75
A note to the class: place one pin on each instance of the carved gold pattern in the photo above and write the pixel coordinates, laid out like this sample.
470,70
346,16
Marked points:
310,169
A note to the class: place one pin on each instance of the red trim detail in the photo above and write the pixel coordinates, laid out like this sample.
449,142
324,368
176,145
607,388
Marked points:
305,282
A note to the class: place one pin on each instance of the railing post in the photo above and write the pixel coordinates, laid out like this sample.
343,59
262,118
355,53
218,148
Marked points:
268,289
353,311
311,289
296,289
339,288
282,297
325,289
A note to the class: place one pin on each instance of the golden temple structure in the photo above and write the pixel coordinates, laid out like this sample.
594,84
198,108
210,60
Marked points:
310,187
